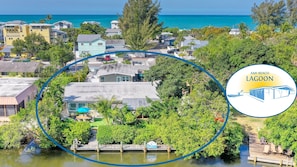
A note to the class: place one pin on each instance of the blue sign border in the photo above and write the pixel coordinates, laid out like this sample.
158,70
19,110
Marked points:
127,165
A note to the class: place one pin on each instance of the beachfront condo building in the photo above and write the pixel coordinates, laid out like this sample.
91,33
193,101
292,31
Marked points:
19,30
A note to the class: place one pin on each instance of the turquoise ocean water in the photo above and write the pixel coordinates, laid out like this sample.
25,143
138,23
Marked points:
180,21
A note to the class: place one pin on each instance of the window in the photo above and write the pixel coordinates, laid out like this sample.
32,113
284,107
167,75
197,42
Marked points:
90,44
10,110
119,79
2,110
100,44
82,44
125,78
81,105
101,79
72,106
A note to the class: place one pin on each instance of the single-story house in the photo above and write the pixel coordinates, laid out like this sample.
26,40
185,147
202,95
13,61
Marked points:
132,94
193,43
113,45
14,94
90,44
25,68
7,51
234,31
111,32
119,73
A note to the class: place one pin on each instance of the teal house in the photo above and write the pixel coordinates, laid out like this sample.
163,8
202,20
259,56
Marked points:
90,44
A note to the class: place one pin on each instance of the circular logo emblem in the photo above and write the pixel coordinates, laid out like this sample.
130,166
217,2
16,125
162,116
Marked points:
261,90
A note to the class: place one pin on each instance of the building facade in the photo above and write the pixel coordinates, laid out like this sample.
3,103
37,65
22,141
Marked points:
90,44
15,93
19,30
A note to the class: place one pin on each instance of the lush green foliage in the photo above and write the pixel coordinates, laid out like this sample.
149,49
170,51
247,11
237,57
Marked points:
139,23
281,129
275,13
104,134
32,44
77,130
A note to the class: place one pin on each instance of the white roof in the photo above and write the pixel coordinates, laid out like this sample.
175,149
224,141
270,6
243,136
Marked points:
11,87
92,92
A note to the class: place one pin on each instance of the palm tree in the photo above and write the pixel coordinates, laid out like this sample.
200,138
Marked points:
104,107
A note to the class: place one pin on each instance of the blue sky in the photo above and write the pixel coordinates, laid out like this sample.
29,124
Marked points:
211,7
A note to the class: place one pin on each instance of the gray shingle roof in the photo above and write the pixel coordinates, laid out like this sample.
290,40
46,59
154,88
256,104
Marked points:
134,94
18,66
88,37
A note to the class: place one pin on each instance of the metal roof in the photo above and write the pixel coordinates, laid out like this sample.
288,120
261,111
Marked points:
12,87
88,37
122,91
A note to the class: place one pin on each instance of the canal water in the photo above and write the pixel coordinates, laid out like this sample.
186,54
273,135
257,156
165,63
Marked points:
13,158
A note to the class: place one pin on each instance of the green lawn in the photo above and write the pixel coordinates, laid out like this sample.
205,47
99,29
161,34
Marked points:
98,121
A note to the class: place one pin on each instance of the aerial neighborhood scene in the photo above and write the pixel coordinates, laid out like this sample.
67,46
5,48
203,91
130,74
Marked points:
142,82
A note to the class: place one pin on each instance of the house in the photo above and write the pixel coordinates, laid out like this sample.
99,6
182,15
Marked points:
23,68
166,38
58,34
193,43
114,29
90,44
62,24
132,94
114,24
13,30
15,94
42,29
111,32
91,22
19,30
119,73
113,45
234,31
6,50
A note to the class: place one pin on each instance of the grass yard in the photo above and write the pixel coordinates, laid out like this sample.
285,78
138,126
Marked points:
97,122
250,124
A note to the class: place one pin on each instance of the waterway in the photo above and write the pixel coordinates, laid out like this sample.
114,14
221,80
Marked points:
13,158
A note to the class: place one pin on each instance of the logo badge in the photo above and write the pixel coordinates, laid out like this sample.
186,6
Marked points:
261,90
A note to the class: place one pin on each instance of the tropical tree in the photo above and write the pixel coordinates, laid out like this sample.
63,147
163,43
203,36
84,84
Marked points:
87,28
269,12
139,23
292,12
35,43
104,107
18,47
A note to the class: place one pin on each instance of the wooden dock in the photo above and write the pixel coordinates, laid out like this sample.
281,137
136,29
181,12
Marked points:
120,148
260,152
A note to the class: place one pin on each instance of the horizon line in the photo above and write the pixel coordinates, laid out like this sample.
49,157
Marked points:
158,15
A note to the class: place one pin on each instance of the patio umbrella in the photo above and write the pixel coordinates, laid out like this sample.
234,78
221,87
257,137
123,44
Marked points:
83,110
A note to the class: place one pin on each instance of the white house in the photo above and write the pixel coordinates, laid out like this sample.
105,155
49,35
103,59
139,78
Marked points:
62,24
193,43
114,24
234,31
